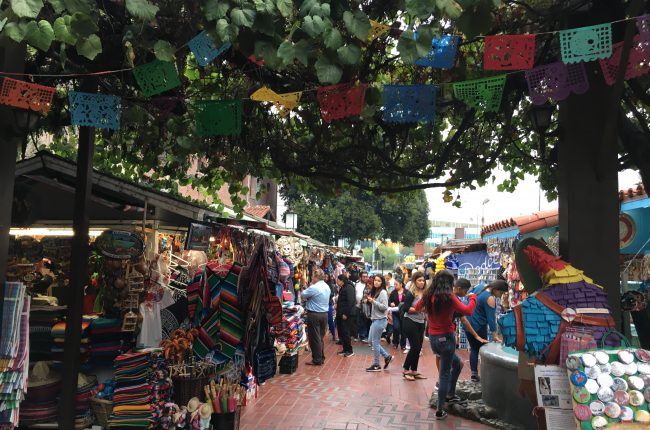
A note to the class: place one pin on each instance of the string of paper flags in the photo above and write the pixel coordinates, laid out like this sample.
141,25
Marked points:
402,103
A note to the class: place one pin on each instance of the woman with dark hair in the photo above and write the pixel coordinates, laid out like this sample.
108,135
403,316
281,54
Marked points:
330,312
440,304
484,317
346,312
413,326
378,299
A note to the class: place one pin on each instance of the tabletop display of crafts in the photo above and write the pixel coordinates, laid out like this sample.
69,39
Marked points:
610,388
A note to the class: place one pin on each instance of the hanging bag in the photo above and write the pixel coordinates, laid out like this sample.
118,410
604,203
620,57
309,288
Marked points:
576,338
264,360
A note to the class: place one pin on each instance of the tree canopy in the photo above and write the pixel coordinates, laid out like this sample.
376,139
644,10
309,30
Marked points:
298,45
360,215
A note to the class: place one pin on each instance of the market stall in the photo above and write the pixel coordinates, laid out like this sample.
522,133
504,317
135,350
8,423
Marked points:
180,299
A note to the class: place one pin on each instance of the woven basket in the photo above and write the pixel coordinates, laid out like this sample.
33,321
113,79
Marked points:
102,409
186,388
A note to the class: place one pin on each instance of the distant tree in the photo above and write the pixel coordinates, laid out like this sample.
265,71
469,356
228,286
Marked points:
359,215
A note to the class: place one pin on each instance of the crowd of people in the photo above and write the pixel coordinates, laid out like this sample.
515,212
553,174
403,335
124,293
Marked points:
358,307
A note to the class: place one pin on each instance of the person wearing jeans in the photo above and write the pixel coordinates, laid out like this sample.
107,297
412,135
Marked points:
413,327
378,299
395,299
440,305
317,302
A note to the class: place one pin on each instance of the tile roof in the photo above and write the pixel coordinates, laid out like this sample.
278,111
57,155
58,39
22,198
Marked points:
550,218
259,211
632,193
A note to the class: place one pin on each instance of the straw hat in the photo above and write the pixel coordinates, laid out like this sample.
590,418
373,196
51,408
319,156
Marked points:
193,404
41,374
85,382
205,410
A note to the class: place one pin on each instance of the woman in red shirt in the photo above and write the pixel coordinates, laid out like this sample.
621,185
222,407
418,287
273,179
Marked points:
441,305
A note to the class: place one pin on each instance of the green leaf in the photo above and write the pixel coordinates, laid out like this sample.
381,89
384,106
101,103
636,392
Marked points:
62,31
357,23
142,9
327,72
313,25
90,47
243,17
164,51
264,6
264,24
407,48
420,8
226,32
450,8
349,54
302,50
3,22
476,20
333,39
40,35
285,7
26,8
268,52
215,9
57,5
16,31
83,6
307,6
82,25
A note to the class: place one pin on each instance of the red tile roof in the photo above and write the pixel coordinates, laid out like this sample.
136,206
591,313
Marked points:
259,211
550,218
525,223
632,193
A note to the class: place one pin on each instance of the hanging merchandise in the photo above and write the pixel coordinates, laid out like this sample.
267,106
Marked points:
14,359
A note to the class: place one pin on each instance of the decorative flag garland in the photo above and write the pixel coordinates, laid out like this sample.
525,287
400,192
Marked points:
340,101
377,29
637,63
156,77
482,94
26,95
442,54
218,117
204,50
94,110
586,43
509,52
556,81
409,103
284,103
402,103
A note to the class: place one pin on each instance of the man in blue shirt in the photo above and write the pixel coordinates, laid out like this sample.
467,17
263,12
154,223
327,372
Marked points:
316,299
484,318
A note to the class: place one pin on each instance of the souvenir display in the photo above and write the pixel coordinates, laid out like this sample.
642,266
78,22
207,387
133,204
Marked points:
609,398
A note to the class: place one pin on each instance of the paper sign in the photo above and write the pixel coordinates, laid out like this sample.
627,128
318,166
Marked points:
559,419
552,388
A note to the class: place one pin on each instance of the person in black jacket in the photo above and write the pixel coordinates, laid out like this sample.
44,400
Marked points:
346,311
395,300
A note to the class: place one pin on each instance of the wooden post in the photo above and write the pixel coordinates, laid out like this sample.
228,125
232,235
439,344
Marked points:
78,277
12,59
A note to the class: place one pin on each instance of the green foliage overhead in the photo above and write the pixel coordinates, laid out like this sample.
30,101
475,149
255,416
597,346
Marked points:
299,45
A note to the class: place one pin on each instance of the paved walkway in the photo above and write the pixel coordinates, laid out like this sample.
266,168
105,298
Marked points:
341,395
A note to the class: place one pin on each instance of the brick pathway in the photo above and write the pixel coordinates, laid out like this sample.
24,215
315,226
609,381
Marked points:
341,395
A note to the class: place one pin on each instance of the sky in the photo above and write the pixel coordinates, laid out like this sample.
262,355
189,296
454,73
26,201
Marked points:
501,205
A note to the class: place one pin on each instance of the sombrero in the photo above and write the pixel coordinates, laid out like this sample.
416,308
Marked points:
528,274
42,374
